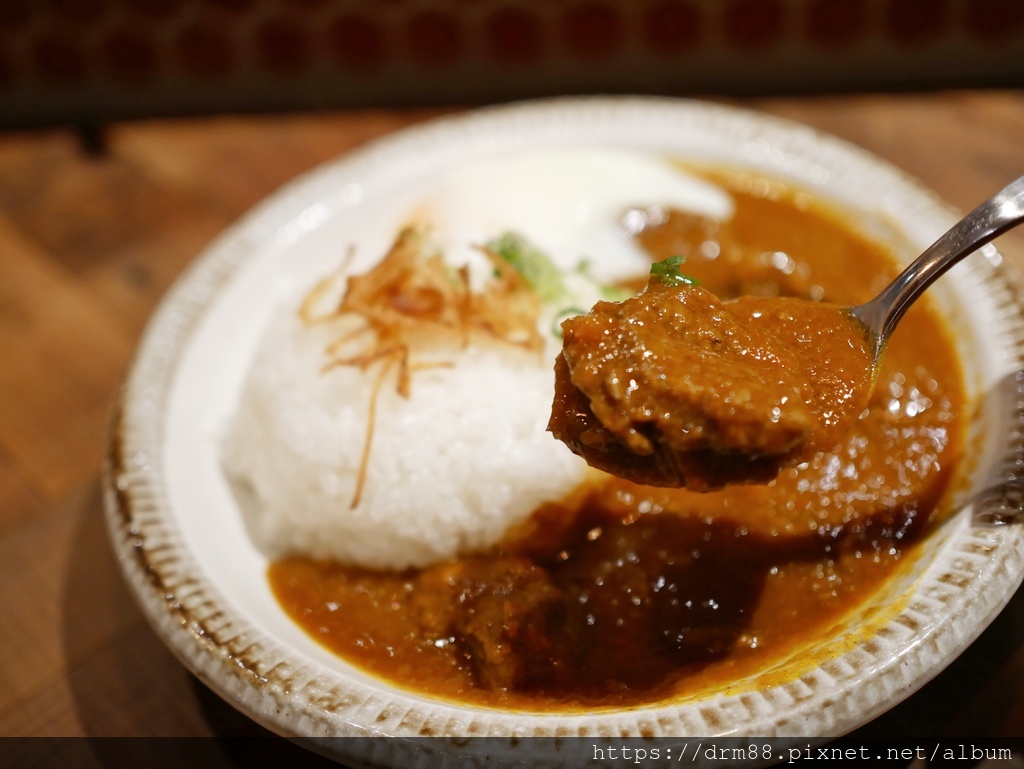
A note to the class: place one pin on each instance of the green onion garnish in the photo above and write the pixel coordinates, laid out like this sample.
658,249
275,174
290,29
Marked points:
668,272
534,265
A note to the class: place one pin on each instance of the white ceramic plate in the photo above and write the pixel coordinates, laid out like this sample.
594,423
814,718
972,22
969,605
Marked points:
181,539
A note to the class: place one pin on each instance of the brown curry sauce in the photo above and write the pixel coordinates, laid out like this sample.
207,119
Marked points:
674,387
625,594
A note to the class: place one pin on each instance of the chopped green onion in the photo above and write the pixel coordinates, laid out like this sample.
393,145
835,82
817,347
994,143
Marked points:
668,272
534,265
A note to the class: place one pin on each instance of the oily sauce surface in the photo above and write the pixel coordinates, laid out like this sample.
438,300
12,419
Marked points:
675,387
625,594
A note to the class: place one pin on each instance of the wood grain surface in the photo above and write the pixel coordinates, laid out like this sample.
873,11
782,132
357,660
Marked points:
89,241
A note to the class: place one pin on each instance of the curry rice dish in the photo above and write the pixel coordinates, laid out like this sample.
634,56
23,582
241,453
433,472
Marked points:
622,594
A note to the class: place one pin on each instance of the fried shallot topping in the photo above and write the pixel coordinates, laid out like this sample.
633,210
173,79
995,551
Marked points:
412,301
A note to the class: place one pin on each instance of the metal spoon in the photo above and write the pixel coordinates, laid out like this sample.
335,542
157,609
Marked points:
1001,212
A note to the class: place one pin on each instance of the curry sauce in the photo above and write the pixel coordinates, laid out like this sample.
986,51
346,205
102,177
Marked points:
674,387
624,594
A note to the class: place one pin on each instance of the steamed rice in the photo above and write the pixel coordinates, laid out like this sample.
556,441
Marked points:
451,468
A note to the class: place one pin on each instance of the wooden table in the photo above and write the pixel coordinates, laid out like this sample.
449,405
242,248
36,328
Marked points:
88,244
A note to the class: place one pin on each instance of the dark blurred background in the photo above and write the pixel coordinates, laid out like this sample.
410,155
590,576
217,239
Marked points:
90,61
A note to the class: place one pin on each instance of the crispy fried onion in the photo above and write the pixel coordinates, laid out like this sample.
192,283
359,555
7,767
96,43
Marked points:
413,301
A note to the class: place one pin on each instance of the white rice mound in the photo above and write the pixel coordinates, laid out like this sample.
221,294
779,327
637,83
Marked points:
451,468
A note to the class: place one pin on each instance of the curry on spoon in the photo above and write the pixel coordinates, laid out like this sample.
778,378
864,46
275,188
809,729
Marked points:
674,387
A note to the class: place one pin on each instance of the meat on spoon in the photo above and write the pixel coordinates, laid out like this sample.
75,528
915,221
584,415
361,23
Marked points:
674,387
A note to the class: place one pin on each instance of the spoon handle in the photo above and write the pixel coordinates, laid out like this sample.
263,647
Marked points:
999,213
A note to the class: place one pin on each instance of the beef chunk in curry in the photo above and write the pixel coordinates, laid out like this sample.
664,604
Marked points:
674,387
